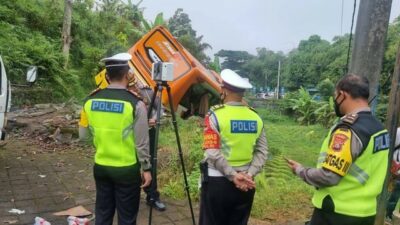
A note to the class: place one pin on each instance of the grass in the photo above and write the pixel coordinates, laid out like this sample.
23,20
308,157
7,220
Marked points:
279,193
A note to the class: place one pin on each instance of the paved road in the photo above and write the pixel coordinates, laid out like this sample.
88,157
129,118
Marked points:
68,182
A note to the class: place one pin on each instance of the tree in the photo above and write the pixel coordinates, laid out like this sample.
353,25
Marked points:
392,41
66,31
262,70
326,88
215,65
180,26
234,60
305,64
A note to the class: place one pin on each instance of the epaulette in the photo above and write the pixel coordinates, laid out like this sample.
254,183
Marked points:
134,93
94,91
252,109
216,107
350,118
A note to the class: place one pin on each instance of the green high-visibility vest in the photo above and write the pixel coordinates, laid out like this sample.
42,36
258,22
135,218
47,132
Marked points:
111,124
239,128
356,193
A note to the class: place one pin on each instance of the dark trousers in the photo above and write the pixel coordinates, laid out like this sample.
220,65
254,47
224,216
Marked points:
222,203
394,197
151,191
321,217
117,188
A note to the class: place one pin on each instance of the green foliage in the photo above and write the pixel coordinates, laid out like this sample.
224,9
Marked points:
158,21
304,64
325,114
234,60
382,107
22,46
31,35
326,88
215,65
262,70
304,106
391,48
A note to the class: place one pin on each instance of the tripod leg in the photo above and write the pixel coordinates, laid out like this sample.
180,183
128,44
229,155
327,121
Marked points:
153,99
178,141
154,162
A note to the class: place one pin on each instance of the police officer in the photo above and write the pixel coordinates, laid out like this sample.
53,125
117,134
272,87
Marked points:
235,151
152,194
352,163
118,122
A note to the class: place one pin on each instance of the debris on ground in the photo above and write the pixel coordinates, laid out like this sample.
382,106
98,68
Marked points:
75,211
41,221
10,221
17,211
52,126
72,220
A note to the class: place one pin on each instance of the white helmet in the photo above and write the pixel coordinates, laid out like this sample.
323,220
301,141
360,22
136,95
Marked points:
232,81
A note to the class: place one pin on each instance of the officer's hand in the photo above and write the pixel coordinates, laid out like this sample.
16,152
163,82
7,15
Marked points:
238,180
242,182
249,180
293,165
146,179
152,122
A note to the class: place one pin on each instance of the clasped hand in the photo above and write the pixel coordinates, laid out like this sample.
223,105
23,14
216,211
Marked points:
244,181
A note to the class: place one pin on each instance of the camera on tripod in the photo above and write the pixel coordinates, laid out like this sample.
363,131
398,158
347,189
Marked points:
162,71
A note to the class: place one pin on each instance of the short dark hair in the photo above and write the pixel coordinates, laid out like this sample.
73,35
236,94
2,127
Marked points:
116,73
356,86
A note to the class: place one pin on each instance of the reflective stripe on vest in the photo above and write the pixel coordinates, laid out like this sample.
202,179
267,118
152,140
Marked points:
111,123
239,129
356,193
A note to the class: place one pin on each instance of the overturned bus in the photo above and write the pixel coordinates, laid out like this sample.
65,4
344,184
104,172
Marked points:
193,87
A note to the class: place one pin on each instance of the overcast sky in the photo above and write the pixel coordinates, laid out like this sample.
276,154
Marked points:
278,25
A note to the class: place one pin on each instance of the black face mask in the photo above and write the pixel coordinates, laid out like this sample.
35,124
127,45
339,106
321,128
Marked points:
337,106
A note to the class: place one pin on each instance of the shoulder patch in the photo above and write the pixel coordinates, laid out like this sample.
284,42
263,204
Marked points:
95,91
338,155
381,142
350,118
135,94
216,107
252,109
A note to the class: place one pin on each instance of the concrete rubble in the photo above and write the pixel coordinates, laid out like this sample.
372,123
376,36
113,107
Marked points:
52,126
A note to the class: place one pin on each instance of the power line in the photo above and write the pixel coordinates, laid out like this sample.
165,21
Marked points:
351,36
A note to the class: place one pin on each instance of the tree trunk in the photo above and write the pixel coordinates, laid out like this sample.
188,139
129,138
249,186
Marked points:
391,125
369,42
66,31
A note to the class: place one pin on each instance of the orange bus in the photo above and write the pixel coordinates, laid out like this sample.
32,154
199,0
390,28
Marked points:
194,87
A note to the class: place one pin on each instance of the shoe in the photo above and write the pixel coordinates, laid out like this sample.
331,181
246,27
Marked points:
158,205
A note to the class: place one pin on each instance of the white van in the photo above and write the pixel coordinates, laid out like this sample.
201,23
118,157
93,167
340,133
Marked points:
5,99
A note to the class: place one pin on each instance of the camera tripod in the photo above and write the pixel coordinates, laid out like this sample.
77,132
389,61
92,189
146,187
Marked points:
158,89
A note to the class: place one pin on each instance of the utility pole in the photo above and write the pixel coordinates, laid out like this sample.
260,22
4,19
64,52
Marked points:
279,74
392,120
369,42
